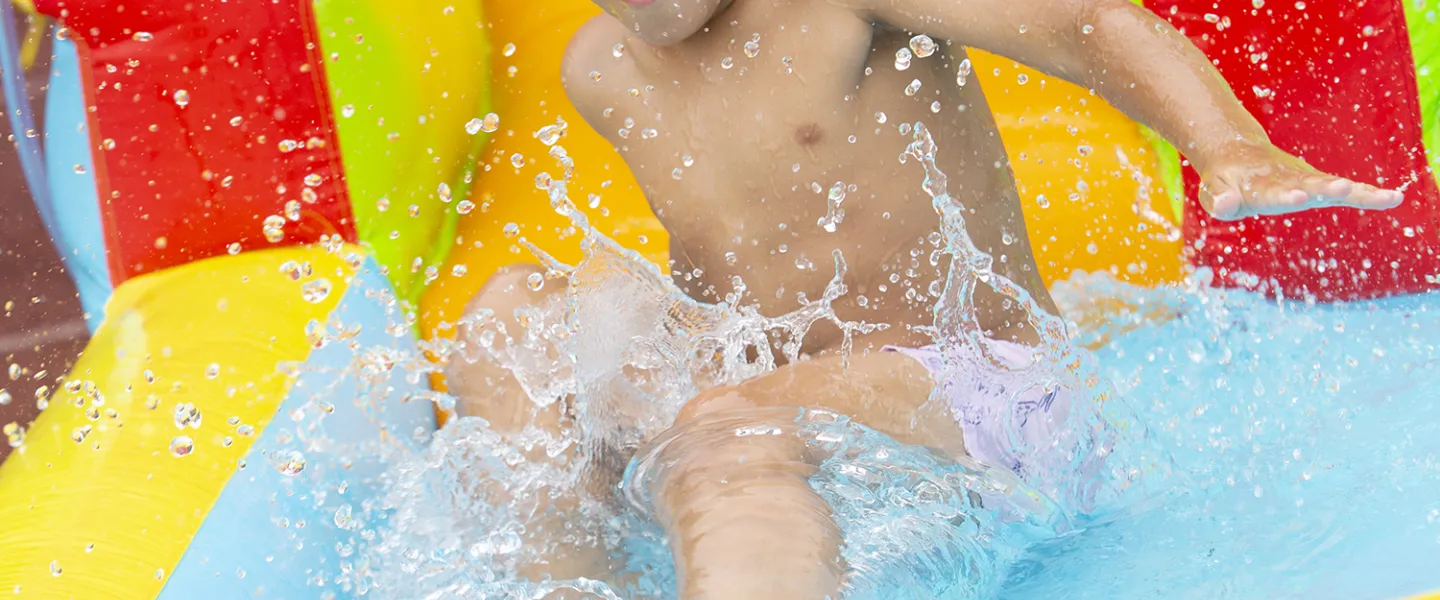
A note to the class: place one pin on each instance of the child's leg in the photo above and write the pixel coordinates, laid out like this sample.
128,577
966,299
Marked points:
486,390
733,490
741,517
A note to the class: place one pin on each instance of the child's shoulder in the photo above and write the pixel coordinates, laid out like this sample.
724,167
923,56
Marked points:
587,54
595,40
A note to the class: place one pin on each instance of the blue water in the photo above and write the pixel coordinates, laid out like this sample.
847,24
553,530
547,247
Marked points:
1299,458
1305,452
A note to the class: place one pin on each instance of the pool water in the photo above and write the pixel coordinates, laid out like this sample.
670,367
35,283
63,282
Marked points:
1306,446
1254,448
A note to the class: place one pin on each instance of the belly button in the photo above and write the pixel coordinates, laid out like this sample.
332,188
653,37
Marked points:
809,134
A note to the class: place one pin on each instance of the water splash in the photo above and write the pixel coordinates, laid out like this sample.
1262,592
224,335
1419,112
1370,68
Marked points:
624,375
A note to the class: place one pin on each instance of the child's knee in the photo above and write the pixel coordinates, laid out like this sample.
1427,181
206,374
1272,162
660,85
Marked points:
506,290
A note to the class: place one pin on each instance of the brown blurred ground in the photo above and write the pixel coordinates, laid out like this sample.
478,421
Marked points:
41,326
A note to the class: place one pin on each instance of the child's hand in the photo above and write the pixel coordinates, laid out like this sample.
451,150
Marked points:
1260,179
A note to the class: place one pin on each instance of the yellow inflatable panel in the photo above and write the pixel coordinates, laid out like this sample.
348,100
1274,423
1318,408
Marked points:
528,44
1089,179
107,492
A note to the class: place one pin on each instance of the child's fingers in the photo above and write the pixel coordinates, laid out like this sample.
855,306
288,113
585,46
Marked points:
1276,196
1324,187
1371,198
1222,198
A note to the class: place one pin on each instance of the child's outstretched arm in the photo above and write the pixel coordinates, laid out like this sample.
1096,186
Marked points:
1143,66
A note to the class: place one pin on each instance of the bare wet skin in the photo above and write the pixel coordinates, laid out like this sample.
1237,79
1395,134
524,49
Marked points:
738,155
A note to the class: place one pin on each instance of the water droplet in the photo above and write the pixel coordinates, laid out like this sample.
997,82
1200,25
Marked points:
79,169
963,73
108,144
511,230
458,270
648,134
902,59
730,258
292,210
443,190
1087,29
677,174
517,160
4,398
923,46
245,429
227,181
273,228
290,463
79,434
212,371
490,123
182,98
55,569
315,291
342,516
727,62
535,282
347,111
550,134
1042,201
313,180
687,160
834,214
181,446
935,107
752,47
464,207
596,76
618,50
143,36
913,88
508,51
187,415
1022,79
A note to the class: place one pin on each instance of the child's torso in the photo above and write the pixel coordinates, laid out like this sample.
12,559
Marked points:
739,135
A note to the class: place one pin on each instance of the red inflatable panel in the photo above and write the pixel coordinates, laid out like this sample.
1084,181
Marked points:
190,104
1333,83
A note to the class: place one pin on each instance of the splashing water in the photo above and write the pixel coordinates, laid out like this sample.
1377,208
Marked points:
1207,469
1305,444
460,507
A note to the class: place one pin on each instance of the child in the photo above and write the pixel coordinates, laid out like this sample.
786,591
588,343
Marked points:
743,120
